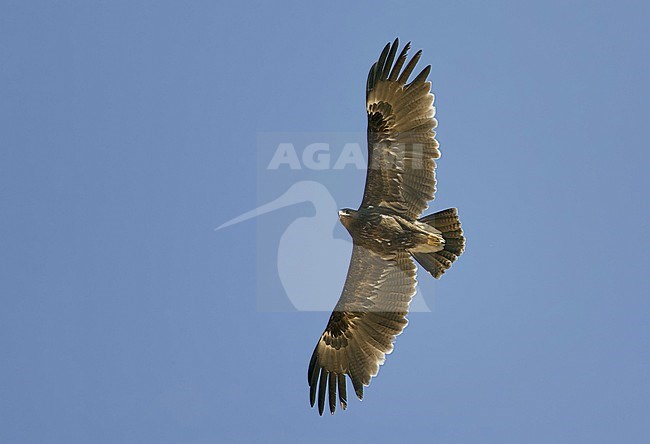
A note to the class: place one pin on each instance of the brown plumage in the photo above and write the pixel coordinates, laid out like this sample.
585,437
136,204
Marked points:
387,231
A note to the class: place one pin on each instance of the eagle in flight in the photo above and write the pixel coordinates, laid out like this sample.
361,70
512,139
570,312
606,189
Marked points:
387,230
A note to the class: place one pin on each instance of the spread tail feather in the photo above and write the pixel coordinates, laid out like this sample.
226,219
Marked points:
448,224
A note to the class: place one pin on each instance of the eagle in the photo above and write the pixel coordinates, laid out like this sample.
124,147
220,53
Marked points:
388,231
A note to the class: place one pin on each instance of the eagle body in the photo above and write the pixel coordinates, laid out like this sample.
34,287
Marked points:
388,231
385,233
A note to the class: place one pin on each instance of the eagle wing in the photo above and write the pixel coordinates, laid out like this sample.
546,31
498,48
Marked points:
401,141
369,315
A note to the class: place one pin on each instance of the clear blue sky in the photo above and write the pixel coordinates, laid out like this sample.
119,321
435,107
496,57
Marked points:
130,131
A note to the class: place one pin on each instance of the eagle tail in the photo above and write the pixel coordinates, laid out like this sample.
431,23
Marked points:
448,224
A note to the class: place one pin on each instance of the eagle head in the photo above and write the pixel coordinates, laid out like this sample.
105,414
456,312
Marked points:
347,217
